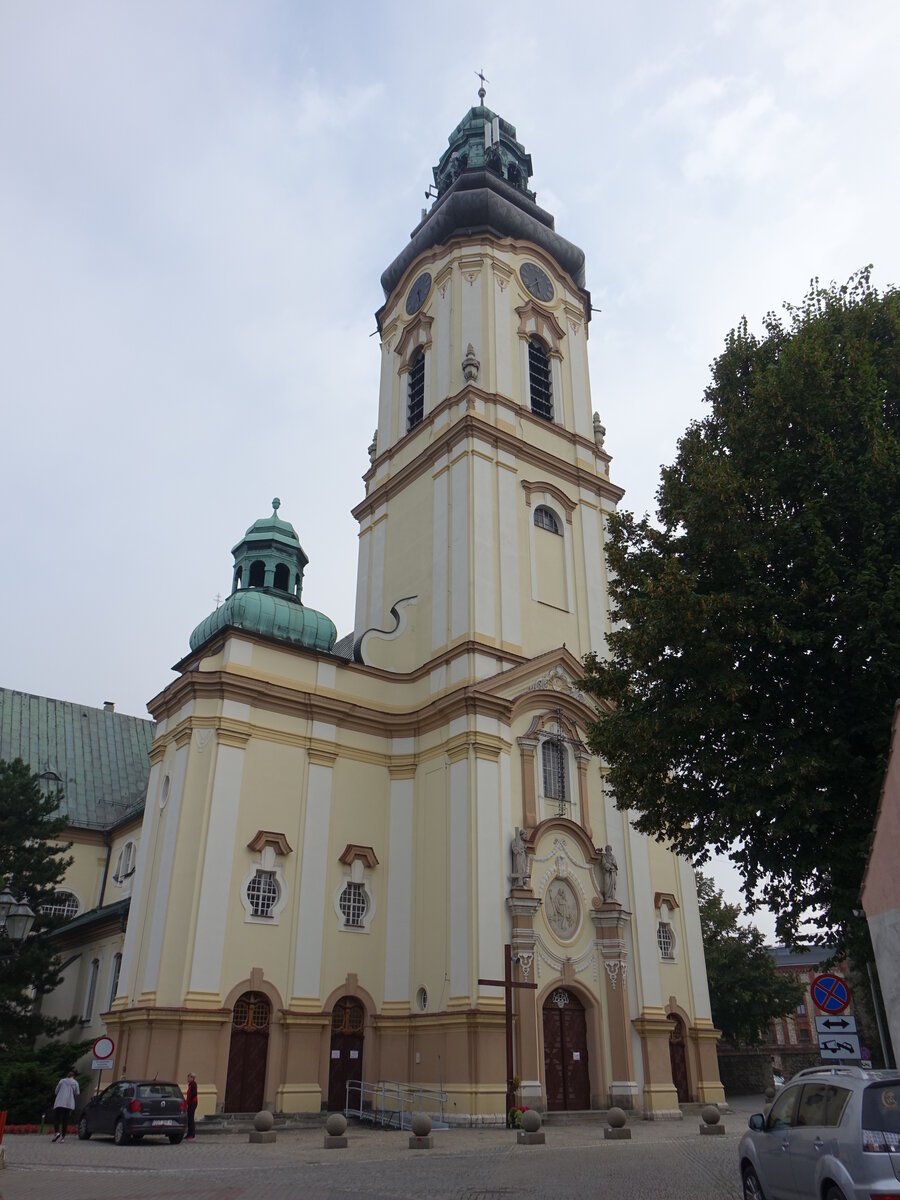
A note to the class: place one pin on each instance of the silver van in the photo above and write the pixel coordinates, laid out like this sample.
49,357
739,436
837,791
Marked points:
832,1133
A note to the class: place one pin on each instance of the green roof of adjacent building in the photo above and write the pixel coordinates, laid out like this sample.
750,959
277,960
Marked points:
97,758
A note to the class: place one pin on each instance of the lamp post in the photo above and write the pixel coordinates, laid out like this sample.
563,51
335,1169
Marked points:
16,917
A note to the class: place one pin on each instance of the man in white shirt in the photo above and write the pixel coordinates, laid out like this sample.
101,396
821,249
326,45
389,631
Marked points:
64,1105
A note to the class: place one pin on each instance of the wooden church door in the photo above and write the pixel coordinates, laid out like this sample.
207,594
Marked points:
566,1073
678,1058
248,1054
347,1023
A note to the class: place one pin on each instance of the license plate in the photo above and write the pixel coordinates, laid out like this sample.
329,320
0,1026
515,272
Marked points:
167,1122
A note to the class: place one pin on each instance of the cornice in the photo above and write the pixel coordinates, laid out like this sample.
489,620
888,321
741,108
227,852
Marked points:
471,425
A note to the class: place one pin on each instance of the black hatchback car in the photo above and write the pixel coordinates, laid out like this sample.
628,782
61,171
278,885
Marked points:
134,1108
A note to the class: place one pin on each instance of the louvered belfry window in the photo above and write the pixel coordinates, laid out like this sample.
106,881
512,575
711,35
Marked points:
553,761
416,391
539,379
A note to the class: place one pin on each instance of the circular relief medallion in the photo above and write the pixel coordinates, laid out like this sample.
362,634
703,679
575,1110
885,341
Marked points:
561,909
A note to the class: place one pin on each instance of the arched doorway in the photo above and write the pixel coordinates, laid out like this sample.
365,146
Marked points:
678,1057
566,1074
248,1053
348,1020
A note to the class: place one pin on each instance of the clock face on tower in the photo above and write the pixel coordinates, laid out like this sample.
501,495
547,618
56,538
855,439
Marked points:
536,281
417,293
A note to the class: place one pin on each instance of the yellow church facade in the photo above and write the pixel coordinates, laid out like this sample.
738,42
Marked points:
341,839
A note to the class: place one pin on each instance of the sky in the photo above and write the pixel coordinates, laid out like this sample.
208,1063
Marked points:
197,200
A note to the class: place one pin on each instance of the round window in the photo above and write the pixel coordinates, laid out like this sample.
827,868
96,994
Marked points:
421,999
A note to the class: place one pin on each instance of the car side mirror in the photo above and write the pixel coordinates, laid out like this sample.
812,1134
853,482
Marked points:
757,1122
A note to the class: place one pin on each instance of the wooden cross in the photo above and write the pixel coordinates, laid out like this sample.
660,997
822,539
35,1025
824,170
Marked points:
508,983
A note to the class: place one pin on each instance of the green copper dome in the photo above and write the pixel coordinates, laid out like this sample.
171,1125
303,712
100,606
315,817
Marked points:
266,586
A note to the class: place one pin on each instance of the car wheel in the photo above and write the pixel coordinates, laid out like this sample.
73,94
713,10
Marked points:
752,1186
83,1132
175,1138
120,1135
835,1193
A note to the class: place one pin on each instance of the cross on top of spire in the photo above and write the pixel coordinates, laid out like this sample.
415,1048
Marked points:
481,92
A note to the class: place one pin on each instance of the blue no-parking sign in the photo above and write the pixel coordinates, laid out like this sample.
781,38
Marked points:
830,993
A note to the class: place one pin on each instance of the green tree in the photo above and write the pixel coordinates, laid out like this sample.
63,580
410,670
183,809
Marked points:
33,862
745,990
746,703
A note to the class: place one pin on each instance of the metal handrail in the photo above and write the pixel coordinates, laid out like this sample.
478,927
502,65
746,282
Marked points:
390,1103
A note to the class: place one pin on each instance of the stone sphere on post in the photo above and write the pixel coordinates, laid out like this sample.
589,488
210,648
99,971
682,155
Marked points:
531,1120
336,1124
616,1118
710,1114
263,1121
421,1124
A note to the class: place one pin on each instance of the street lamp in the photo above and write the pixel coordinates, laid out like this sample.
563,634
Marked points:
16,919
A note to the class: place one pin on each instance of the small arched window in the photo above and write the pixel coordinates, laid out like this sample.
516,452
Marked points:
238,575
63,904
282,577
539,379
415,404
545,519
125,863
257,574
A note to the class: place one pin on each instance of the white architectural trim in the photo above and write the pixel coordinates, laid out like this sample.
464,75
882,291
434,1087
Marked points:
218,867
399,891
459,878
168,818
313,873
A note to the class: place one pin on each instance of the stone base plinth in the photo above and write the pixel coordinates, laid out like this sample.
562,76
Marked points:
336,1142
267,1135
421,1143
712,1129
617,1135
524,1138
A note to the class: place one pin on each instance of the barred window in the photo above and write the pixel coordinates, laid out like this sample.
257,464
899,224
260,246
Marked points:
545,519
415,408
539,379
262,892
553,761
353,904
63,904
666,940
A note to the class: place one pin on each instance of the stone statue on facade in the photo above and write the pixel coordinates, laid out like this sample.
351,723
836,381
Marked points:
519,860
609,871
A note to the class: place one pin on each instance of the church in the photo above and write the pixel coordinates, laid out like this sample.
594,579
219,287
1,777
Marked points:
343,841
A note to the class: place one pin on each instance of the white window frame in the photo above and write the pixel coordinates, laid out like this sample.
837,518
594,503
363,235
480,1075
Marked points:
265,862
357,875
115,972
90,991
47,909
671,956
126,865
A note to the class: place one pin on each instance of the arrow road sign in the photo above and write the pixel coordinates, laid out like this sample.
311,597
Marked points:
830,993
835,1025
844,1045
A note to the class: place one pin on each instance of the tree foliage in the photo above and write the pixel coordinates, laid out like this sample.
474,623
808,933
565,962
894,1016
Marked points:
33,863
745,990
756,656
28,1079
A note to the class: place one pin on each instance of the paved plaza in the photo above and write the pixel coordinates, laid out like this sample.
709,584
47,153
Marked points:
664,1159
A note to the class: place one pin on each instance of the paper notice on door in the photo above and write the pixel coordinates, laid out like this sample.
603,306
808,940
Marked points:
354,1054
335,1054
576,1056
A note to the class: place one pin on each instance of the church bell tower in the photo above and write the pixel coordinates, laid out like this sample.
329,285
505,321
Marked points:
481,532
